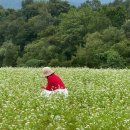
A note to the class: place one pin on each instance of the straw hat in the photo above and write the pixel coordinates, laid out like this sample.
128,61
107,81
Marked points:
47,71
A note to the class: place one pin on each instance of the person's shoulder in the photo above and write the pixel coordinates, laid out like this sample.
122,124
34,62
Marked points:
51,76
54,76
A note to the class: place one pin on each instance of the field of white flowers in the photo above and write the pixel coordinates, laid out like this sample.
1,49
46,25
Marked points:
98,100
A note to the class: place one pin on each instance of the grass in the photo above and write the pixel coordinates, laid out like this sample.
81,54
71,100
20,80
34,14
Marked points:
99,99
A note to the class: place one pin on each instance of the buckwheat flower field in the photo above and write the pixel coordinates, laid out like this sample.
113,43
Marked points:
99,99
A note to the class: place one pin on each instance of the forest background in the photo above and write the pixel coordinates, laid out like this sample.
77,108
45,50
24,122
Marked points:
55,33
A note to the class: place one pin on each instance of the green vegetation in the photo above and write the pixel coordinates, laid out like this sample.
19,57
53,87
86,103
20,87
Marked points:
98,99
54,33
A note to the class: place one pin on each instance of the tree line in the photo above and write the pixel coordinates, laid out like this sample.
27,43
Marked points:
55,33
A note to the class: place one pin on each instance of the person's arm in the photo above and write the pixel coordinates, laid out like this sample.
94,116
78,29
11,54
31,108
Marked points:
42,87
49,84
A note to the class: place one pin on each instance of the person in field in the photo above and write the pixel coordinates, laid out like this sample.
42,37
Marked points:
55,83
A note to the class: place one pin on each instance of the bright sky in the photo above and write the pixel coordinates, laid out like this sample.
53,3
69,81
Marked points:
17,3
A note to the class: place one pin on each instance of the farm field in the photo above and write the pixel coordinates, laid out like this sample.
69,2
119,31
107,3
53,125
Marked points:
99,99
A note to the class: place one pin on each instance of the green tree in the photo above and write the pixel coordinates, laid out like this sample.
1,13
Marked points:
123,48
34,63
2,52
71,30
98,22
114,60
26,2
117,2
38,53
57,34
41,22
117,15
8,54
30,10
80,58
126,28
93,4
3,27
112,35
99,52
56,7
94,48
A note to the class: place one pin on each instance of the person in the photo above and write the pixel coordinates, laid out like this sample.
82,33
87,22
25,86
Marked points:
55,83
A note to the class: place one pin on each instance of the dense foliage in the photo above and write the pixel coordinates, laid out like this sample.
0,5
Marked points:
56,33
98,100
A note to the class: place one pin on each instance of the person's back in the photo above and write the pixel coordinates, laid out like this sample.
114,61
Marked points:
54,82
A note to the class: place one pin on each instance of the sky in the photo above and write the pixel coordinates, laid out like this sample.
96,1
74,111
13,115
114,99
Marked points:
17,3
11,3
